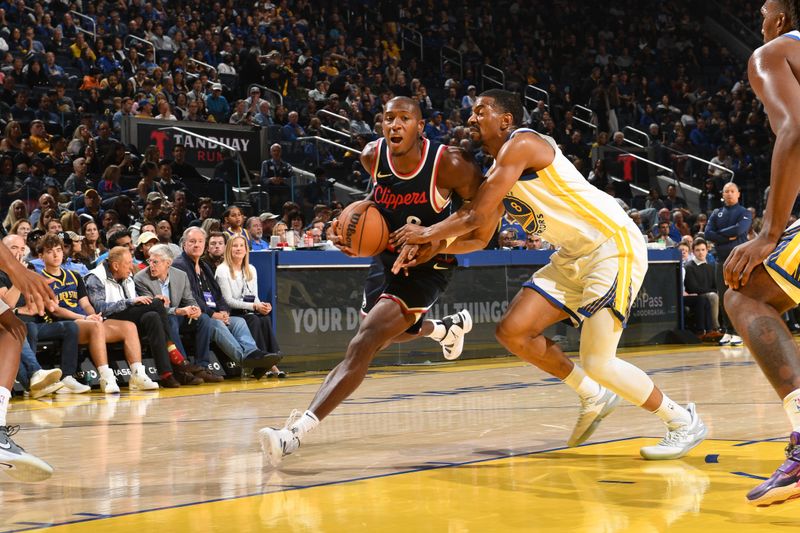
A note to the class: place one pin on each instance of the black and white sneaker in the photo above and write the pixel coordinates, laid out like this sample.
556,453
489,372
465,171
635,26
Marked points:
18,463
456,327
278,443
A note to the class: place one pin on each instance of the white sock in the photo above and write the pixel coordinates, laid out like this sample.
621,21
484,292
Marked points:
672,414
439,331
106,372
585,386
792,406
306,423
137,368
5,399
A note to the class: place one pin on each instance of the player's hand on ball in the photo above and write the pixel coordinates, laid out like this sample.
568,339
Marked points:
336,239
744,259
408,234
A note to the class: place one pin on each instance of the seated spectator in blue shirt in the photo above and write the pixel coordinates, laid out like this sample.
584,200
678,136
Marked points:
20,110
263,117
292,130
217,104
256,231
436,129
108,63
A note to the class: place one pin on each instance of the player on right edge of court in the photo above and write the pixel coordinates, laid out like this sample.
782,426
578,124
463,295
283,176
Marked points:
592,278
764,273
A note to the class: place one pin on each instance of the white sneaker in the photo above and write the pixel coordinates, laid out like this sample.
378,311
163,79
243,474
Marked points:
72,386
678,441
725,340
44,391
736,340
277,443
458,325
592,412
43,378
141,381
108,383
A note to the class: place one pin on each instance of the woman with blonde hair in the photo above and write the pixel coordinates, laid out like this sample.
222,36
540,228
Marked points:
210,225
81,138
71,222
16,211
238,281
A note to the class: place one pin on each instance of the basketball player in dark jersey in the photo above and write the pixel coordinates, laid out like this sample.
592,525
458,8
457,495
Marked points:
764,272
13,459
414,179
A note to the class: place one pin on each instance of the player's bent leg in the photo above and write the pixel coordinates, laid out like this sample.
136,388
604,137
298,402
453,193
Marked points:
755,311
520,332
383,323
523,336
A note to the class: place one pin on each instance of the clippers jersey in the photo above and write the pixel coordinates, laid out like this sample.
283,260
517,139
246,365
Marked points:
560,205
409,198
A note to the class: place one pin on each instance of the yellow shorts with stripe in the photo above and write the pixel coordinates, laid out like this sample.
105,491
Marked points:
783,264
608,277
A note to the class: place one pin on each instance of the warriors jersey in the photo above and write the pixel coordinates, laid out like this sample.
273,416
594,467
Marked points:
409,198
561,206
69,289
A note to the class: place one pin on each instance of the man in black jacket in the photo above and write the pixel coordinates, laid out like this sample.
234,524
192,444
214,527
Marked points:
231,333
727,228
701,289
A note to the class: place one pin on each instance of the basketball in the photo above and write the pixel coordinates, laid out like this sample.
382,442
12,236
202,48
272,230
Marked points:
363,229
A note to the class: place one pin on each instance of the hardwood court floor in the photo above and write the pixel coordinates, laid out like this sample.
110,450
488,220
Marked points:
471,446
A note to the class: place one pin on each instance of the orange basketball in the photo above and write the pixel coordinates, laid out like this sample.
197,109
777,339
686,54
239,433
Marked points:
363,229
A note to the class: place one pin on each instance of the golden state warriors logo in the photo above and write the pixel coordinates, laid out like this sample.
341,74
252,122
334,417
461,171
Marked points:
524,215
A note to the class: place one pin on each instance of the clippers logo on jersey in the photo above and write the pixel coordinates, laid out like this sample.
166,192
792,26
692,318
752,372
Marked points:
386,198
401,197
524,215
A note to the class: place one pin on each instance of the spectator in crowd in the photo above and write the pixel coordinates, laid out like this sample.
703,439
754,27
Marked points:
74,305
239,344
727,227
160,279
113,293
701,292
275,177
215,254
255,230
233,222
238,281
663,236
217,104
186,173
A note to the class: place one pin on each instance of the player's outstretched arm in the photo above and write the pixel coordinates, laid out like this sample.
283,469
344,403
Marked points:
777,87
513,159
35,288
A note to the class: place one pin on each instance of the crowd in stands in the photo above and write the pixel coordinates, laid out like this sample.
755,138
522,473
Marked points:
69,186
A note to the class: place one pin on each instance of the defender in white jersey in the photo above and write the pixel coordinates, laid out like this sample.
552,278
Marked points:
592,278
